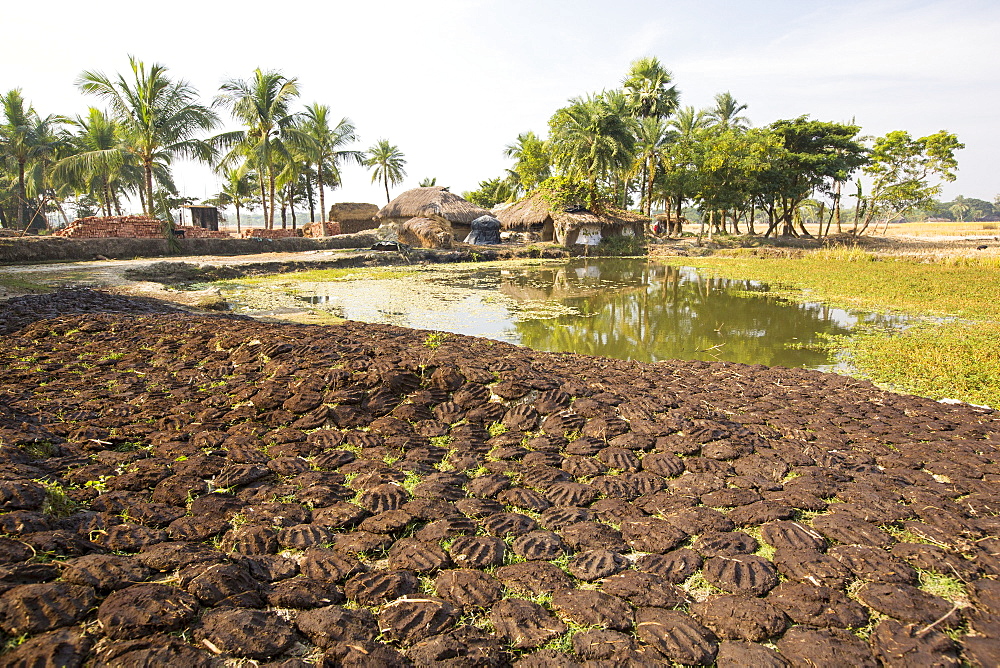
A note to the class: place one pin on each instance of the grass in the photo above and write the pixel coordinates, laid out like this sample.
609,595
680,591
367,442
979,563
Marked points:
20,285
435,339
324,275
954,358
57,503
947,587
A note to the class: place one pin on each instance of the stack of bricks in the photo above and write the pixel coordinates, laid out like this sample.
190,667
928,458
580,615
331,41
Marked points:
102,227
258,233
315,229
201,233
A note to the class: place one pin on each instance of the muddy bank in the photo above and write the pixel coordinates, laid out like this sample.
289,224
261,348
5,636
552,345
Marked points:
195,489
15,250
181,273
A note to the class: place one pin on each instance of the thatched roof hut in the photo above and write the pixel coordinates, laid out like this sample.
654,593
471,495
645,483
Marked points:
571,225
431,202
354,216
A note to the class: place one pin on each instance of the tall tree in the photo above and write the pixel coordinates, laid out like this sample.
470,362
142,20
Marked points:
98,160
906,173
263,104
326,146
814,151
648,88
726,112
237,189
386,162
652,139
159,117
25,137
591,140
533,160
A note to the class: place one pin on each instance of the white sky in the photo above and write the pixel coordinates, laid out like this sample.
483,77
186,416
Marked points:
451,82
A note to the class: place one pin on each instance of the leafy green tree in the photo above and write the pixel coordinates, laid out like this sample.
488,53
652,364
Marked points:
649,90
906,173
491,193
428,182
533,161
386,162
263,104
814,151
25,138
325,145
679,180
158,118
592,140
730,164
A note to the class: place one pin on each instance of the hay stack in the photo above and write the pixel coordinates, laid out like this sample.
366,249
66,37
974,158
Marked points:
354,216
426,233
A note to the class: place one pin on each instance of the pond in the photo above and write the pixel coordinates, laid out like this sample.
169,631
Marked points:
625,308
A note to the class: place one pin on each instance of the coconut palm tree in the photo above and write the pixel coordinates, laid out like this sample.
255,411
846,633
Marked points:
263,104
98,159
652,138
158,118
324,146
25,138
648,88
237,189
591,140
386,162
534,161
725,113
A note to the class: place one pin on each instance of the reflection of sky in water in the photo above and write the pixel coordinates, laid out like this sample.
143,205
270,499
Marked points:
419,304
618,308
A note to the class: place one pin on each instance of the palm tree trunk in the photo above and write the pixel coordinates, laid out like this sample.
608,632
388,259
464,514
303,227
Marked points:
263,196
386,180
147,167
237,217
322,200
270,189
291,205
20,195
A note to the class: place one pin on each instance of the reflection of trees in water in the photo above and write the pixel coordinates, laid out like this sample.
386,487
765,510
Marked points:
662,312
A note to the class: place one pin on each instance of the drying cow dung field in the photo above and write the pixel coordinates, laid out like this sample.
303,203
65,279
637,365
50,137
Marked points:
198,491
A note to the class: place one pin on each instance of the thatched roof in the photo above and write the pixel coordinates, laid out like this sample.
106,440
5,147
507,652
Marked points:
534,209
343,211
432,201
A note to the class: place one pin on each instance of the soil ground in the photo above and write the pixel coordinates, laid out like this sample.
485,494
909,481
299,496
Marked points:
204,490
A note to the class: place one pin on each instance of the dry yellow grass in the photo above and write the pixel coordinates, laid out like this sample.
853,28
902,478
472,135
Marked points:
945,229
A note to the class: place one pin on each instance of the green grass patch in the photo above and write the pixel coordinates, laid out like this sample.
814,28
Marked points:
947,587
21,285
324,275
954,358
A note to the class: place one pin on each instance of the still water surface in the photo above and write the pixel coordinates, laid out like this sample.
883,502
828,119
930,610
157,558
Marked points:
624,308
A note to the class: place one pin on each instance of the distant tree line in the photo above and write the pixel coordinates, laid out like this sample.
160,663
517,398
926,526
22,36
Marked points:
635,146
281,158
